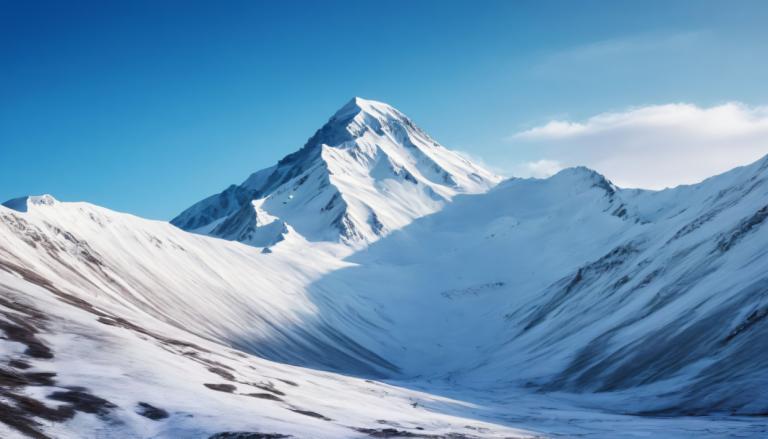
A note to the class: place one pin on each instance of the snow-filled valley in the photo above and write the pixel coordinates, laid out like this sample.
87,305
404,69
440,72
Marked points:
377,284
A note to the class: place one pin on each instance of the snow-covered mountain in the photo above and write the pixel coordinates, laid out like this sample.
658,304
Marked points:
369,170
560,307
570,284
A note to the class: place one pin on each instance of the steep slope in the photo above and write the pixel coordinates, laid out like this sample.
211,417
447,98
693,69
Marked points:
368,171
571,284
215,289
74,368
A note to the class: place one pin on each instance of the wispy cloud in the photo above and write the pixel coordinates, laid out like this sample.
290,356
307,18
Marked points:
538,169
633,54
629,44
654,146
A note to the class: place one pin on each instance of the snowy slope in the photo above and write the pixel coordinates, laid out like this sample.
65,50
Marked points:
112,320
367,171
556,307
151,267
71,368
575,285
147,321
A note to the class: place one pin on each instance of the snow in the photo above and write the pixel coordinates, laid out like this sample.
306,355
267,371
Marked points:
542,307
368,171
22,204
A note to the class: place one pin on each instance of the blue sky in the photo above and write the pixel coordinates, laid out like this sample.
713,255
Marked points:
147,107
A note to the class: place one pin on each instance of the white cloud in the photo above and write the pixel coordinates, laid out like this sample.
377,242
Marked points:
538,169
655,146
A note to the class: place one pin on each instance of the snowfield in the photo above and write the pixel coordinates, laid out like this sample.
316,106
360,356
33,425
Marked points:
376,284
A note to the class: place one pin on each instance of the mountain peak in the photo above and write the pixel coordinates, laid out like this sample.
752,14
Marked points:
358,104
366,171
579,176
359,112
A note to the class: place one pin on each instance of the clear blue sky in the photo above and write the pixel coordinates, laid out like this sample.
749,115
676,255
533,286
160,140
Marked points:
147,107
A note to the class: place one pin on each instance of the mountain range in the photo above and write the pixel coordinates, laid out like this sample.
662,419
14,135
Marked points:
376,284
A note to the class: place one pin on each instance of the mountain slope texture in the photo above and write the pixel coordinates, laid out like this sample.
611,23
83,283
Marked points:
368,171
377,284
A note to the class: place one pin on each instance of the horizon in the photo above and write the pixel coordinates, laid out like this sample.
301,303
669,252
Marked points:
148,108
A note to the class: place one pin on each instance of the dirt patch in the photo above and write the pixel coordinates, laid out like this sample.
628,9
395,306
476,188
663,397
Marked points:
20,331
21,308
33,407
248,435
151,412
11,378
389,432
103,317
19,364
268,396
19,323
268,387
83,401
216,363
21,416
16,419
206,361
310,414
395,433
35,279
41,378
123,323
222,373
229,388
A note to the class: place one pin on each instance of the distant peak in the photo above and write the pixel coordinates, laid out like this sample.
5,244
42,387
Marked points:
579,170
22,204
587,175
